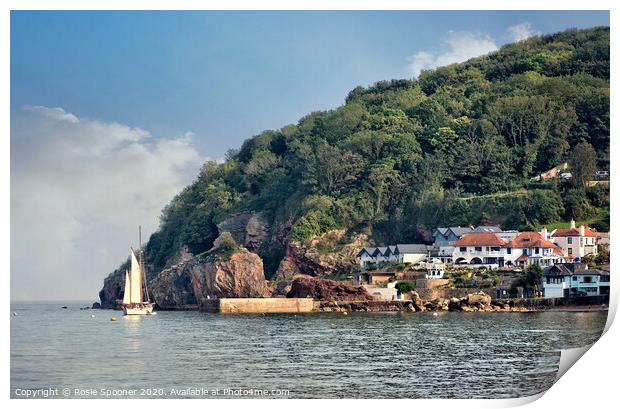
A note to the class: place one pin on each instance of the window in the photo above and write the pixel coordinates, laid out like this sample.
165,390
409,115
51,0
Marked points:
462,249
494,248
537,250
570,240
574,278
587,279
509,251
478,249
570,251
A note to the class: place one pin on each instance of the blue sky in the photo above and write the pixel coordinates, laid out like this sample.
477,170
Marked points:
112,113
225,76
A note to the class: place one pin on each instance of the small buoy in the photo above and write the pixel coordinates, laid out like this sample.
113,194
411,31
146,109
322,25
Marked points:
113,319
14,314
435,314
92,315
345,313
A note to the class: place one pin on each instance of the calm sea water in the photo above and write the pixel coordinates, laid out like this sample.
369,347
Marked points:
328,355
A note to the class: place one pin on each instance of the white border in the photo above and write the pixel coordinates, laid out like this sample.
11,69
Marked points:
591,381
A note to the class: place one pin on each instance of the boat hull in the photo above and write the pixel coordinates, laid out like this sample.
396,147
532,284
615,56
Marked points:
138,309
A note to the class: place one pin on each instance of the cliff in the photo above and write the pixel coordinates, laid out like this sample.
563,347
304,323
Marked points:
328,254
226,271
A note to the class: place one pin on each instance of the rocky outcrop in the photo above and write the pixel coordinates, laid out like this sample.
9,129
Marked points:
172,289
364,306
328,254
280,288
247,229
240,276
112,291
325,289
226,271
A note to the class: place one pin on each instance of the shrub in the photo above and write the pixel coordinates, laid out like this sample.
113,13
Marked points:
405,286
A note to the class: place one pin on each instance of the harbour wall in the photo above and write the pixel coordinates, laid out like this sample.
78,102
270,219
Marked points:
257,305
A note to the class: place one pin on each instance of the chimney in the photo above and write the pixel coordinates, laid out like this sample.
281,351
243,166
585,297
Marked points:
572,223
544,234
582,230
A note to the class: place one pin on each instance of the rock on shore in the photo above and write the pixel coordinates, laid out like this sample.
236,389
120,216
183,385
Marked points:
241,276
325,289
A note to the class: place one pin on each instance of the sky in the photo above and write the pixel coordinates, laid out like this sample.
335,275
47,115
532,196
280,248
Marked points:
112,113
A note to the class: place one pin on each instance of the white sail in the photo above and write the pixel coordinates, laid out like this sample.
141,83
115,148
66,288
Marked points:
136,280
127,294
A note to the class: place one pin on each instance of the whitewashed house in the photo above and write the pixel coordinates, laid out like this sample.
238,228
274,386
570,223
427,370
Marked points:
478,249
399,253
574,280
531,247
575,242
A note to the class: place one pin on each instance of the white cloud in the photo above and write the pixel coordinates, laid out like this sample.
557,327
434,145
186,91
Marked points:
459,46
79,190
521,31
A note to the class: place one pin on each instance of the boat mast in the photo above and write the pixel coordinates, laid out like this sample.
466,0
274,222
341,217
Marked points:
144,277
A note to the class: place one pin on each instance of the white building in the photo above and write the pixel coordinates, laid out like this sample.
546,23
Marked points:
574,280
479,249
399,253
531,247
575,242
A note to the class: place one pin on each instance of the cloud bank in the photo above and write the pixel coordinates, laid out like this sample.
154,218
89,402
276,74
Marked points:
522,31
459,46
79,190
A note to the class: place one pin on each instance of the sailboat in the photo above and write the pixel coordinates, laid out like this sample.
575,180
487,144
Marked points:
134,302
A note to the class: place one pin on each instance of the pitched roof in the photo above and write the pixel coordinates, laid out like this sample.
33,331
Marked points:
531,239
488,229
480,239
565,269
522,257
440,230
380,251
459,231
412,248
367,250
573,232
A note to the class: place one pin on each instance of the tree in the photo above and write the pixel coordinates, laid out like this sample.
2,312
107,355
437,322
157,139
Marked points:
405,286
533,276
582,164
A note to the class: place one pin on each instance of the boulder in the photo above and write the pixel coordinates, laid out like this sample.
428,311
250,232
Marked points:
455,305
417,303
96,306
238,276
325,289
479,299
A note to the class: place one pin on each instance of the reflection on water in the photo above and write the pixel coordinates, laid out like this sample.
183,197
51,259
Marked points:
450,355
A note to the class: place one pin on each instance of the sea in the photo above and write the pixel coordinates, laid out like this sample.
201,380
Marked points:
73,353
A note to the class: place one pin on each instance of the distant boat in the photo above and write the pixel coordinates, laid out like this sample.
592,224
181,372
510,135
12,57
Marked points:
134,302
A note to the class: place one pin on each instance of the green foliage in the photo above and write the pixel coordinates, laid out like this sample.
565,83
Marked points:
405,286
583,164
532,276
311,225
453,147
